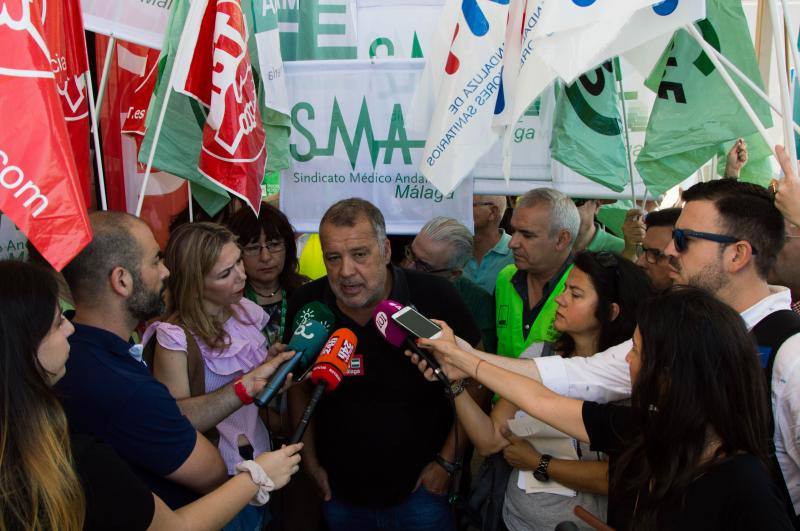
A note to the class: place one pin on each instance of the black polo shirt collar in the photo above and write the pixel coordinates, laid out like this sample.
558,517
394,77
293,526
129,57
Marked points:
102,340
520,283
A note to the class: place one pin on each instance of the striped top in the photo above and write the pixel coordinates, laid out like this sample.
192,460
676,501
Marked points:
247,349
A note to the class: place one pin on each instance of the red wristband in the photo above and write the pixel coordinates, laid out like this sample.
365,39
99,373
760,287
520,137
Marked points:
241,392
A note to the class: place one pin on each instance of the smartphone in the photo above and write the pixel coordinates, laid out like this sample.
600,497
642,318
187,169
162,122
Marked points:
416,323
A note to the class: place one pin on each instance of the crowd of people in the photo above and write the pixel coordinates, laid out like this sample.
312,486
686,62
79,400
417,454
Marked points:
646,380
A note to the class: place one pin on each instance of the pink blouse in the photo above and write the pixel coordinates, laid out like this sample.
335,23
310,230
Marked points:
246,350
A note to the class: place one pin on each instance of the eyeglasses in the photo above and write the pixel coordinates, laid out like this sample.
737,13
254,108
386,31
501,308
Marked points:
272,246
419,265
579,202
652,255
681,238
482,203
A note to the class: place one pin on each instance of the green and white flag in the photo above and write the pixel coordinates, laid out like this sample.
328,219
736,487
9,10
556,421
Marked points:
695,112
317,29
181,137
588,134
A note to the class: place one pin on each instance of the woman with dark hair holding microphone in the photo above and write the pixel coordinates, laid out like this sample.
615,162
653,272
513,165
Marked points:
53,479
691,450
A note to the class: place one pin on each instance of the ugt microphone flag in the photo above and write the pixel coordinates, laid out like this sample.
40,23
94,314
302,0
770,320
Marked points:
695,111
212,65
63,31
39,184
470,91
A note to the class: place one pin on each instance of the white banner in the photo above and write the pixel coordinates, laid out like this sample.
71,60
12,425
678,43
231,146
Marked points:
137,21
349,140
12,240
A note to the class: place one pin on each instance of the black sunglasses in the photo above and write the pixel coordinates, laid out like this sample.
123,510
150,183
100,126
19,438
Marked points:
681,238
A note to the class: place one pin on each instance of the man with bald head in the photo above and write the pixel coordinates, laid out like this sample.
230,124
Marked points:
490,251
117,282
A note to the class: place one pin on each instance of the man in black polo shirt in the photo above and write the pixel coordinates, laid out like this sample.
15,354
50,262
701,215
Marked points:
382,446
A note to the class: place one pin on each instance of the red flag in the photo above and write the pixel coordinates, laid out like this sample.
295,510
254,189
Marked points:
132,76
63,31
39,185
212,65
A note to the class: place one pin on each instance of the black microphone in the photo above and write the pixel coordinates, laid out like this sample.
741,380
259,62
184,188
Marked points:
398,337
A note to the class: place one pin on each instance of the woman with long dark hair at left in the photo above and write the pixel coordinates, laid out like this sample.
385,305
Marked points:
52,479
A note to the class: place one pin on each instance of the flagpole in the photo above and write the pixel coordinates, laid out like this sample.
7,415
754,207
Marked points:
621,91
191,206
101,178
755,88
162,113
101,88
709,50
780,54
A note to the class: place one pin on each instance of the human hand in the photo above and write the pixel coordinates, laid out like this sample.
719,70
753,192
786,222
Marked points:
440,347
633,230
520,453
737,158
276,348
255,380
320,477
434,479
787,189
281,465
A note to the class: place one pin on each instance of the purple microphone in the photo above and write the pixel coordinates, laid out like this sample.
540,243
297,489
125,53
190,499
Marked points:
396,336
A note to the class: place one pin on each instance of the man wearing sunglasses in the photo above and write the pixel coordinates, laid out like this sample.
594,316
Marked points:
726,240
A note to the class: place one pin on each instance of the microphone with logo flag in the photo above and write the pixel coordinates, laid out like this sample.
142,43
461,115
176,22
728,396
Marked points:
312,325
328,372
396,336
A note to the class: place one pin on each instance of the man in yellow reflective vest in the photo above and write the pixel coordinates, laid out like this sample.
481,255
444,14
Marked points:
546,223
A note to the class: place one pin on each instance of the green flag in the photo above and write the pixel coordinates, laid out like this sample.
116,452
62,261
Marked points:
695,112
587,129
181,135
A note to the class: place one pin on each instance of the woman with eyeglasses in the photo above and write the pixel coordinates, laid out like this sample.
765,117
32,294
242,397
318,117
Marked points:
212,336
269,252
51,478
596,310
691,452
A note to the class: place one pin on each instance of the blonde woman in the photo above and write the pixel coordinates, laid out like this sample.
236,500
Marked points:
212,337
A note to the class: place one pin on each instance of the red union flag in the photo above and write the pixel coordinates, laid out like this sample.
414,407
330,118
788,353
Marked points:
63,32
39,187
212,65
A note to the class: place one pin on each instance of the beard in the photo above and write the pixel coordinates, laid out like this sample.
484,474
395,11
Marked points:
711,278
144,304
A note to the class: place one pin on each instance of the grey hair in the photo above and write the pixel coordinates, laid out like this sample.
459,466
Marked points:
450,231
347,212
563,212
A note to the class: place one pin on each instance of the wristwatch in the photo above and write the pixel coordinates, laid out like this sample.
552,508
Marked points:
541,471
450,467
457,387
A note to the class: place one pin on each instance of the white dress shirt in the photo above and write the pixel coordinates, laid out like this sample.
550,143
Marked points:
605,377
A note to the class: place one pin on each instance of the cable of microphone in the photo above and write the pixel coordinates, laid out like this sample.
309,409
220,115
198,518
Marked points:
313,323
397,336
327,373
